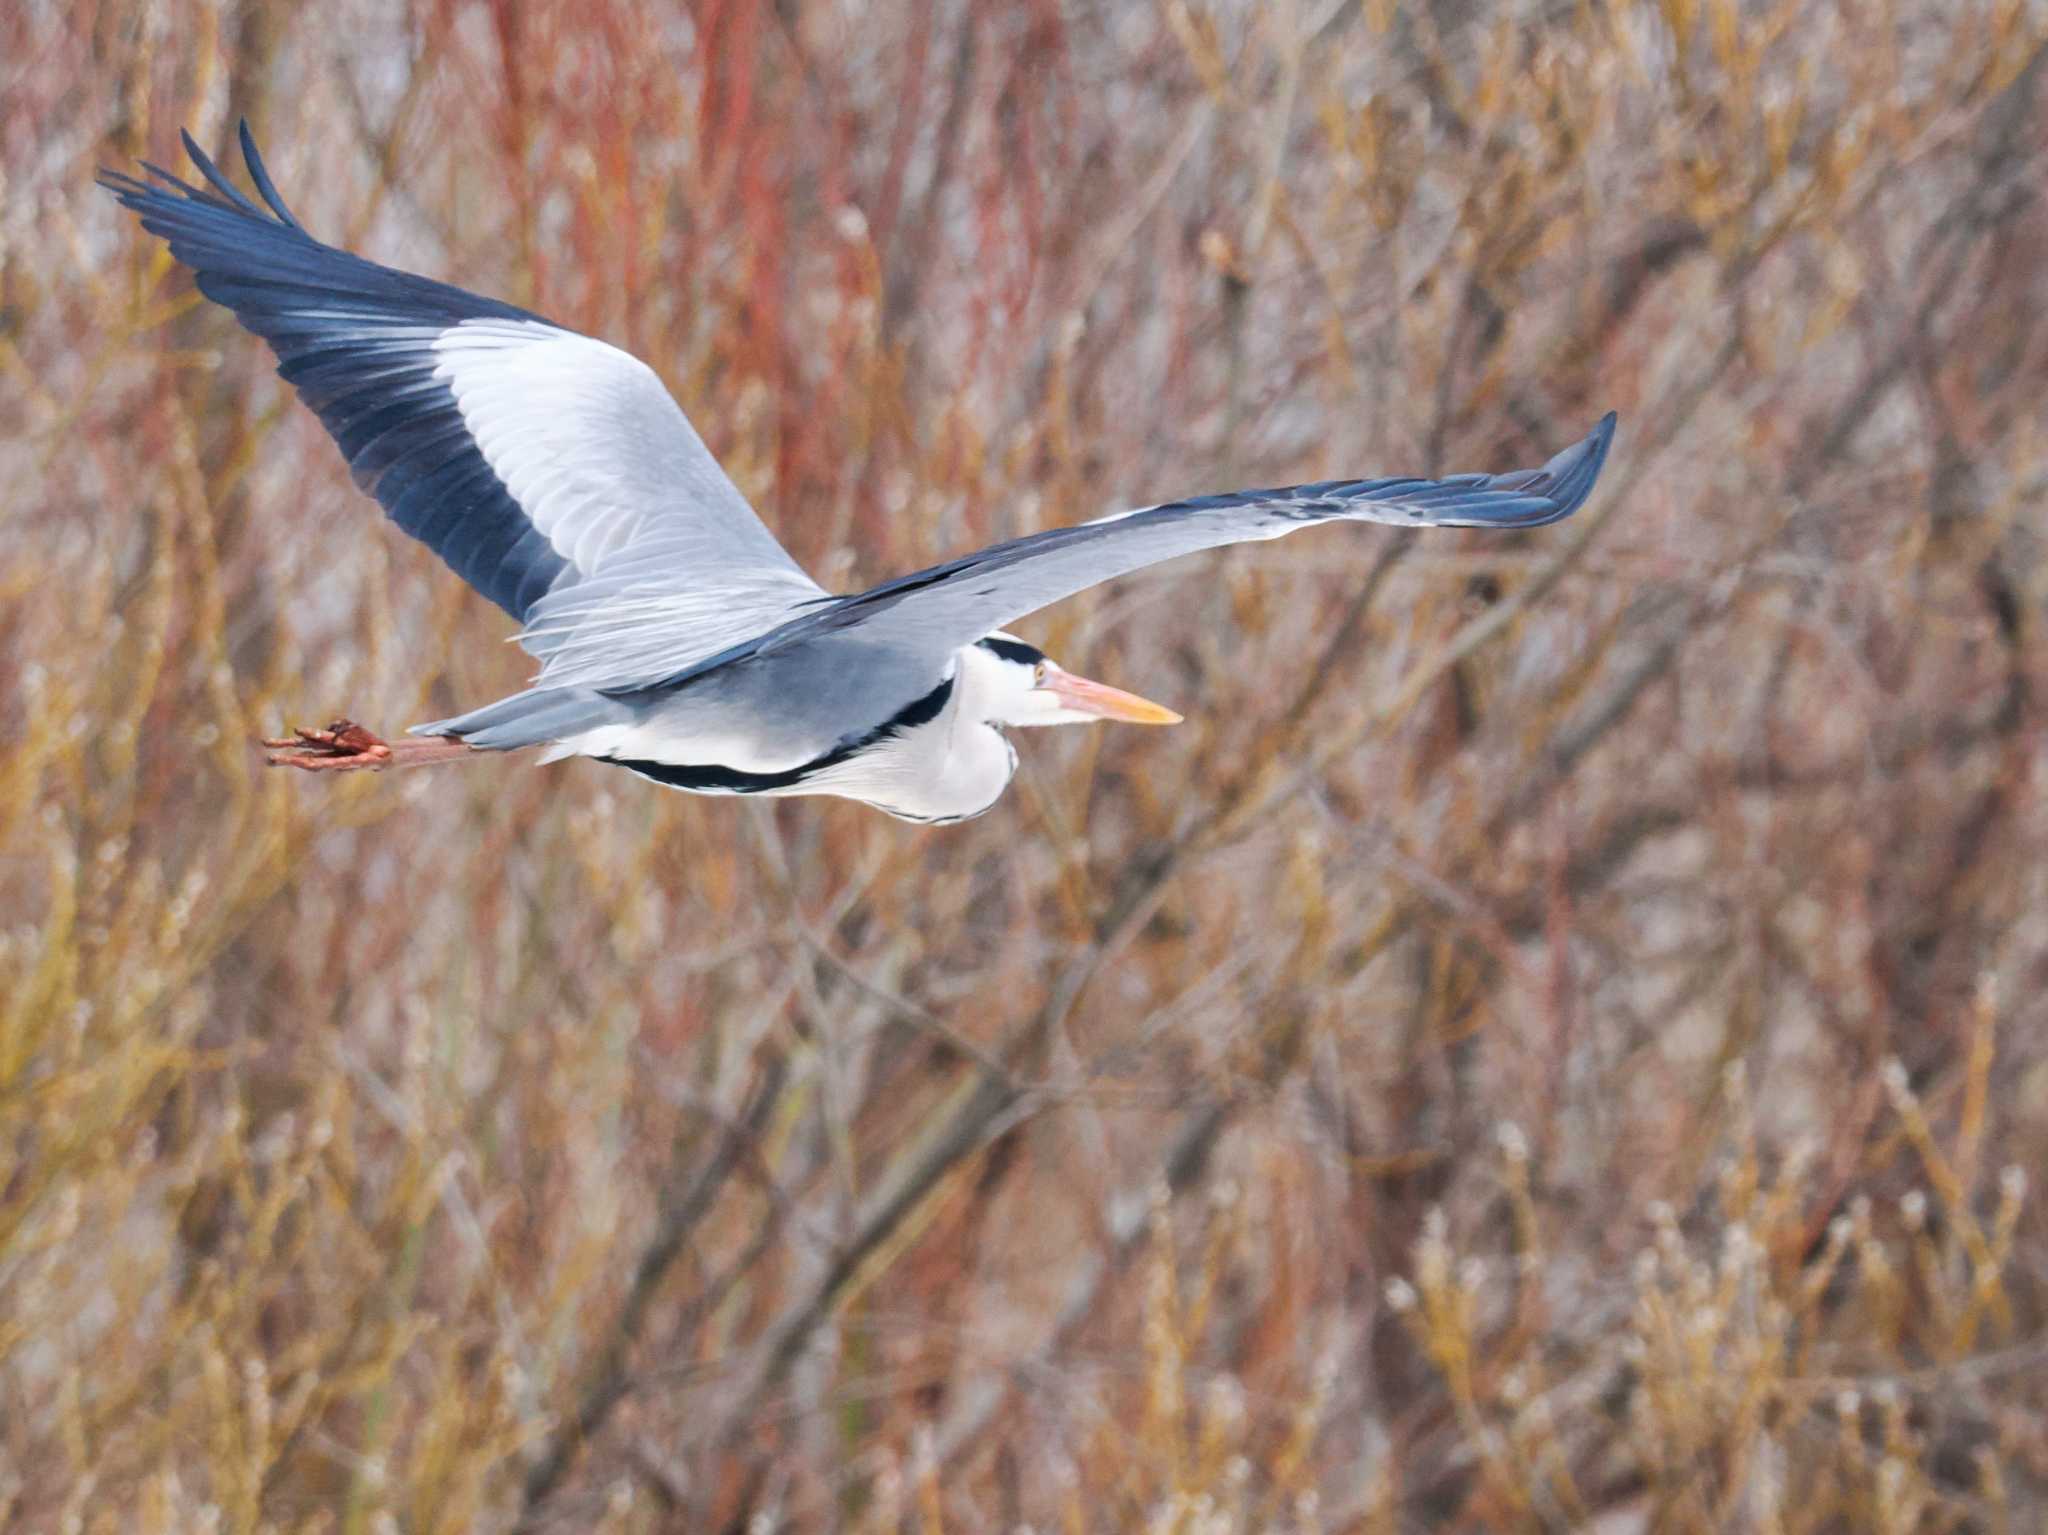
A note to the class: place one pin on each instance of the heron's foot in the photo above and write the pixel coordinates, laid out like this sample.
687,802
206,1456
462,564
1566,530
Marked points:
340,747
346,746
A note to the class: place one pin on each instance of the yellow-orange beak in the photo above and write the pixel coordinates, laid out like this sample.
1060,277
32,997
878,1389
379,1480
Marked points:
1104,701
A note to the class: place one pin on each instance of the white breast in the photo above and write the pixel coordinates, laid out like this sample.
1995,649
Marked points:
951,769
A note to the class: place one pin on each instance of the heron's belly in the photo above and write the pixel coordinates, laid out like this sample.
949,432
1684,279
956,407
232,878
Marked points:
705,762
739,723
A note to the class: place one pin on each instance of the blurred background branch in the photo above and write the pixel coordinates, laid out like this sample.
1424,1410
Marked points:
1554,1042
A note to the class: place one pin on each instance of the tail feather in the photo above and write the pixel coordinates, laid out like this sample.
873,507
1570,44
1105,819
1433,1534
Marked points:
533,718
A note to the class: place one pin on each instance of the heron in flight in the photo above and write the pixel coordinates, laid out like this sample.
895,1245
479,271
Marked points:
675,636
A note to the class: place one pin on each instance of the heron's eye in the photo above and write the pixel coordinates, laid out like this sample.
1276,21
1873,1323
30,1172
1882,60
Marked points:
1038,675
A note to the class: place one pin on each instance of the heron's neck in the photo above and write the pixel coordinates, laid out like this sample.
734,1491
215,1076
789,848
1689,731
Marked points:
948,768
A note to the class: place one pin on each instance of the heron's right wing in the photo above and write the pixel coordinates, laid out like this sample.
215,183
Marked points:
552,472
935,612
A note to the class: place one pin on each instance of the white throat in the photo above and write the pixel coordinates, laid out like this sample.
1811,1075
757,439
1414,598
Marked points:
950,768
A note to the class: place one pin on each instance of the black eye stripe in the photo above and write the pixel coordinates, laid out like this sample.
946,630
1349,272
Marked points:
1013,650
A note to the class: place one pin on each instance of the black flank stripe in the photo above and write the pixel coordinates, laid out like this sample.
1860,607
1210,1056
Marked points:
712,779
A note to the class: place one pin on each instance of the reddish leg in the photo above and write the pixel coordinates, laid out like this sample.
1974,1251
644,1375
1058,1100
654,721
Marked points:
345,745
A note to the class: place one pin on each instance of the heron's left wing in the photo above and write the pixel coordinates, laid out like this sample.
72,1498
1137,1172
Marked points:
552,472
951,605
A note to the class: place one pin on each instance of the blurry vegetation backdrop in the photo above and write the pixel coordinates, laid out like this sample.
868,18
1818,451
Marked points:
1556,1041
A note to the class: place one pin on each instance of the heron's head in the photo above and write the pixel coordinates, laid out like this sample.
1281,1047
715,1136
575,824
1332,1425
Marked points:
1020,685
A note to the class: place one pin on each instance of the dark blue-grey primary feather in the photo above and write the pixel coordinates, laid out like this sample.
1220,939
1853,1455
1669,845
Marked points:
356,341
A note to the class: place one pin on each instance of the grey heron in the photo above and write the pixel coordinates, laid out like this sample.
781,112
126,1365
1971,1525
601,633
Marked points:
675,636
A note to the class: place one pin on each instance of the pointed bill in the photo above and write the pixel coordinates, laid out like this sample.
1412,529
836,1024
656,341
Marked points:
1106,702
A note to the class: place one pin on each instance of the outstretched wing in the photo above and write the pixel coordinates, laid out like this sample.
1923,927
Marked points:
937,611
552,472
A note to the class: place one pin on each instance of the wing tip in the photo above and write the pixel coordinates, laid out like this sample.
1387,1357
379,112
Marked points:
162,192
1588,459
1568,479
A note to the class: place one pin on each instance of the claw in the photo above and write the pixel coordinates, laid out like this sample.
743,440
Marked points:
345,746
342,746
